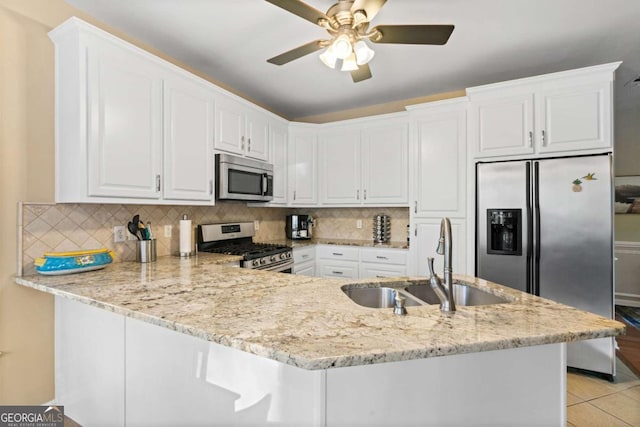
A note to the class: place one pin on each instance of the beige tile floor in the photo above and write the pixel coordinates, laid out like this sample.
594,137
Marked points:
599,403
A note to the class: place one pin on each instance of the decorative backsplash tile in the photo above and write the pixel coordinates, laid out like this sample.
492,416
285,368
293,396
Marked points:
69,227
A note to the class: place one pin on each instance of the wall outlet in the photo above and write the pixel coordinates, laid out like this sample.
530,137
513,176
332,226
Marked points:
167,230
256,225
359,223
119,233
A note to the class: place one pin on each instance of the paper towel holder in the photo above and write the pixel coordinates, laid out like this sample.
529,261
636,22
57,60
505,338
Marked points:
185,226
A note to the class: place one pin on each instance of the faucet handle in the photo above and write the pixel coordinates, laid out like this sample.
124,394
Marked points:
399,308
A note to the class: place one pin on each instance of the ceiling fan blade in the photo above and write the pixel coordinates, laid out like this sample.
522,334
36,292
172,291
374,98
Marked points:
301,9
371,7
362,73
414,34
296,53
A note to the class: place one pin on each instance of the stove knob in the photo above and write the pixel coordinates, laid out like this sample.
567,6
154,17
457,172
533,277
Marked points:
273,258
288,254
263,261
255,263
283,255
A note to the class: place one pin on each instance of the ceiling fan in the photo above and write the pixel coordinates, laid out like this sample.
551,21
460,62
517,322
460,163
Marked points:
347,23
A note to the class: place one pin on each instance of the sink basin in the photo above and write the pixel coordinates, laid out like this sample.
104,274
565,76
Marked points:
462,294
377,297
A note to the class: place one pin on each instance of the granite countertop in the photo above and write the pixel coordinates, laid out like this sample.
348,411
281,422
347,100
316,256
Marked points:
344,242
308,321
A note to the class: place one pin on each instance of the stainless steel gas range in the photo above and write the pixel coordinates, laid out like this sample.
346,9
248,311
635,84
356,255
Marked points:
237,239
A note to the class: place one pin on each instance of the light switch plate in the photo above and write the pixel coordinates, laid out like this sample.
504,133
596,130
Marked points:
359,223
119,233
167,230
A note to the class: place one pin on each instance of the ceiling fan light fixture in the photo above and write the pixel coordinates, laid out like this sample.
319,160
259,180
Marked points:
364,53
328,57
349,63
342,46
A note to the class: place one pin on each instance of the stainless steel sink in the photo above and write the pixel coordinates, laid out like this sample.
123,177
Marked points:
462,295
377,297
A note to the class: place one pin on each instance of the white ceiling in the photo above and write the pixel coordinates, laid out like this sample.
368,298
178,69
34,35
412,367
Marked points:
494,40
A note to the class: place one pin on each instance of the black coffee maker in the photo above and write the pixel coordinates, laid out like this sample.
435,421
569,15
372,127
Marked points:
299,227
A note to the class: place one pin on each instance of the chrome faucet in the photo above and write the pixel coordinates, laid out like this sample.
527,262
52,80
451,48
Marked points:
447,304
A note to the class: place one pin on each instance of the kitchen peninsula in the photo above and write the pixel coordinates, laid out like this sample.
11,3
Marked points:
193,341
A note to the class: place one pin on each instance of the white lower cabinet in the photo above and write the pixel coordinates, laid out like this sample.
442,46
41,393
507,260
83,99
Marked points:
304,260
337,261
382,263
424,241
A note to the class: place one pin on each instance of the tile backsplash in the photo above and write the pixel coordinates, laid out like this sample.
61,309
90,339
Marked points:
47,227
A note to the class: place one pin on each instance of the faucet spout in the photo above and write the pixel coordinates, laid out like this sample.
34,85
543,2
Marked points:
445,248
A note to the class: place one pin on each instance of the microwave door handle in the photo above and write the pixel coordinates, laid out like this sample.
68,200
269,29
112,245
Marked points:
265,190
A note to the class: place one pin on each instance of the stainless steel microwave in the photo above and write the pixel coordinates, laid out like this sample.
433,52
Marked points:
239,178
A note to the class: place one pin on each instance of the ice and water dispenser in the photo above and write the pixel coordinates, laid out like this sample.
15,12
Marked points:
504,231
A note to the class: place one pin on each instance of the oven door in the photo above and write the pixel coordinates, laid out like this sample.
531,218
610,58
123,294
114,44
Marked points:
281,267
243,179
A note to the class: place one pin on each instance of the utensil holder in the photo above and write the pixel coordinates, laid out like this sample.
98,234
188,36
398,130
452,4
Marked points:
381,228
146,250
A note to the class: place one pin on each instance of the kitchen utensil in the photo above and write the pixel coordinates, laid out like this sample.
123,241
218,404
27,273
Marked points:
133,229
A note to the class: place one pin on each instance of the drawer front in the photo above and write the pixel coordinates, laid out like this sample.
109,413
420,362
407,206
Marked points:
304,254
345,253
305,269
368,271
384,256
345,270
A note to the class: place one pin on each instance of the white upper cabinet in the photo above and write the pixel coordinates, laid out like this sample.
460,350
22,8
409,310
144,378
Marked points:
124,123
188,140
303,166
567,112
439,159
365,163
278,144
385,163
340,154
241,130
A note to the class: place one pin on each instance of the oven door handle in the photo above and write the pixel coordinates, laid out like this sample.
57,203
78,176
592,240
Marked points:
278,267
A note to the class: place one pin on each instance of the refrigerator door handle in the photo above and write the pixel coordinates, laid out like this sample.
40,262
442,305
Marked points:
536,240
529,247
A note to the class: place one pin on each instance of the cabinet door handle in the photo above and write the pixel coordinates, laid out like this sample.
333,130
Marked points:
530,139
210,187
337,254
365,194
337,272
381,257
242,142
357,194
294,194
415,206
157,182
415,231
305,256
544,139
249,145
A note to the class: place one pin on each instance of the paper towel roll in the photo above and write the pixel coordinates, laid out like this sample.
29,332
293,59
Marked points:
185,236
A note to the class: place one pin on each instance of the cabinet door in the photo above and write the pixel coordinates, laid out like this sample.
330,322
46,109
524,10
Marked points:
257,136
303,168
424,242
305,269
502,125
124,124
230,126
385,164
188,140
574,118
278,146
440,163
340,176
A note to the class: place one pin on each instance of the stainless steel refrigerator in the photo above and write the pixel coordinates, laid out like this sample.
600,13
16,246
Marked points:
546,227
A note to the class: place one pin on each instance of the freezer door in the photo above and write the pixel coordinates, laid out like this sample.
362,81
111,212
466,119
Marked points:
576,246
503,187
